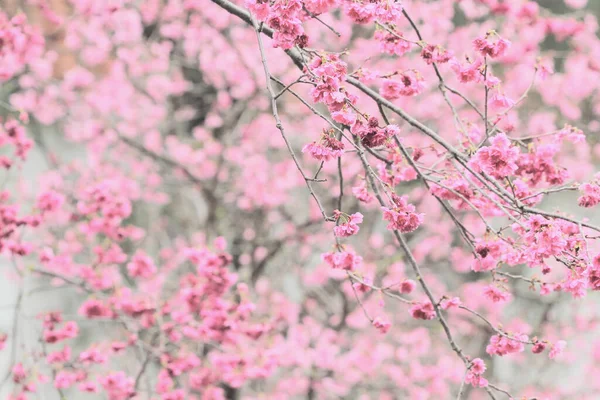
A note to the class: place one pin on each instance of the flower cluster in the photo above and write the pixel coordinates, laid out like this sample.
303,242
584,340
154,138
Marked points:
424,310
488,254
545,238
392,43
409,83
382,325
141,265
469,71
502,345
285,17
402,215
590,193
330,72
347,224
361,193
496,294
364,11
474,375
346,260
491,44
326,149
498,160
13,133
20,44
371,134
557,349
435,54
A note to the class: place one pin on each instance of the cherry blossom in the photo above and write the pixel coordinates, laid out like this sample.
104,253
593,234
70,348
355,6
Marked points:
223,199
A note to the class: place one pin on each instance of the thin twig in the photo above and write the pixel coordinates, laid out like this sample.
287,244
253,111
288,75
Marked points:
279,125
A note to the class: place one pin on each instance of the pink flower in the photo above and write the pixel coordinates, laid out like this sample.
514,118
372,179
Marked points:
594,274
93,308
410,83
69,331
498,160
590,196
423,310
474,377
329,73
576,286
544,238
21,45
165,382
491,45
346,260
141,266
65,379
18,373
371,134
381,324
50,201
557,349
386,11
391,89
468,72
364,286
344,117
478,366
61,356
446,304
495,294
574,135
407,286
350,226
359,12
259,8
392,44
500,101
435,54
402,216
319,6
92,356
361,193
538,347
545,68
118,385
328,148
284,19
501,345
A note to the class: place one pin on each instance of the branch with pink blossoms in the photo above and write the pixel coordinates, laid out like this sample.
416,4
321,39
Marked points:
417,271
489,182
279,125
413,122
181,230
